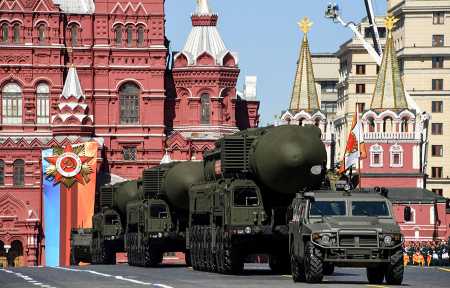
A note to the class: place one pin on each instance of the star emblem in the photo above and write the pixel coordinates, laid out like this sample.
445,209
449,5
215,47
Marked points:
69,165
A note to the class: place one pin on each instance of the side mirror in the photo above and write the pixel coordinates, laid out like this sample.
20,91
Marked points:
407,214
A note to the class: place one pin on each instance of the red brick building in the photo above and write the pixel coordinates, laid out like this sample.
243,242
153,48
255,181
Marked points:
129,98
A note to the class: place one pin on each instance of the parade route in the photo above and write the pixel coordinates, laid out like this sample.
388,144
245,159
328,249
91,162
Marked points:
256,276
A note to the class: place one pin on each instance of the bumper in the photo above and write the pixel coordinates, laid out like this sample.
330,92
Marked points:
358,257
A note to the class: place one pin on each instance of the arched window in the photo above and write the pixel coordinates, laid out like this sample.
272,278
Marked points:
300,122
129,103
11,104
129,35
404,127
387,124
317,122
5,31
41,33
371,123
74,34
16,31
205,113
2,173
118,35
396,152
19,172
376,156
140,36
43,103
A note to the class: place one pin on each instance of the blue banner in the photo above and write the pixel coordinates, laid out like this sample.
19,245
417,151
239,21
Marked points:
51,214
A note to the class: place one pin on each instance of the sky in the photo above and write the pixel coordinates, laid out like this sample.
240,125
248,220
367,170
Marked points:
265,35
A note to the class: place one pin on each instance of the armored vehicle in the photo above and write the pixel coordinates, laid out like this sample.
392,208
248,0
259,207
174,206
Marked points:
110,219
80,245
251,179
347,229
157,223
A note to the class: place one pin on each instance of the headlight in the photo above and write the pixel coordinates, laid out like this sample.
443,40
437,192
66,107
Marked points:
325,239
160,235
316,170
388,240
248,230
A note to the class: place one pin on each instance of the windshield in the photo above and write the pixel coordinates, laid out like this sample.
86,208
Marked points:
328,208
158,211
370,208
245,197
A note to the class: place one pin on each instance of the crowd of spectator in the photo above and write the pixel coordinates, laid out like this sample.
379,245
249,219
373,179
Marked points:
431,253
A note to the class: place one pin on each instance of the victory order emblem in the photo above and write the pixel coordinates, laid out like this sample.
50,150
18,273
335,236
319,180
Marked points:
69,165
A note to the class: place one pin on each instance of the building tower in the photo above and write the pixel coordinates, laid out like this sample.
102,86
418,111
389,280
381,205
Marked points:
72,116
304,107
392,135
205,74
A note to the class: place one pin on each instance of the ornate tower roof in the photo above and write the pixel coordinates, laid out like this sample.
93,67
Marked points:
389,91
72,86
204,36
304,94
72,117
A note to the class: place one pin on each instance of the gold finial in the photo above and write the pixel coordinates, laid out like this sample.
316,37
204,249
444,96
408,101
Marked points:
305,25
390,22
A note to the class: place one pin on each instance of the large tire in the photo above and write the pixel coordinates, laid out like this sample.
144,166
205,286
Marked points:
232,262
328,269
313,264
297,270
395,269
152,257
219,250
187,258
194,250
375,275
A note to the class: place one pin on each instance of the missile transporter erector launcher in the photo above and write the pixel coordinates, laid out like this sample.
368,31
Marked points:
110,219
157,223
251,179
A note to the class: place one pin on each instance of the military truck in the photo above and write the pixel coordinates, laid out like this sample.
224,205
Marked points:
110,219
157,223
251,179
346,229
80,245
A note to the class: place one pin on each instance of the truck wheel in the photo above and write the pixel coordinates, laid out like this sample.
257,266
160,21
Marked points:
187,258
193,244
395,269
202,262
219,250
297,270
313,264
328,269
375,275
232,263
151,257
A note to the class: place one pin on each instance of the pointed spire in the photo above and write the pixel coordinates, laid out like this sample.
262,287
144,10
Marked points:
389,90
304,93
166,158
203,8
72,86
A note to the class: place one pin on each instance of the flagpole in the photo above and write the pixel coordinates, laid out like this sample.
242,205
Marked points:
359,148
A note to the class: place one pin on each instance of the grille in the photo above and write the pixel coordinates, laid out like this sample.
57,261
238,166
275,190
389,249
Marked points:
152,181
106,196
358,241
235,153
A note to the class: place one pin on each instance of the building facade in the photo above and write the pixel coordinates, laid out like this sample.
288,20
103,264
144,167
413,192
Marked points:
114,55
422,41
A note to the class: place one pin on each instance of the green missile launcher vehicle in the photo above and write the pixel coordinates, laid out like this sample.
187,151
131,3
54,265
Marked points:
110,219
251,180
80,245
346,229
157,223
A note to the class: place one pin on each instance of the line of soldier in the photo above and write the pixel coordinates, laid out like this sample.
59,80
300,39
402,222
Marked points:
432,253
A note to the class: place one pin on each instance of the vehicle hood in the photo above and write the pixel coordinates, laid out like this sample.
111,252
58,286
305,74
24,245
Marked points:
357,223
